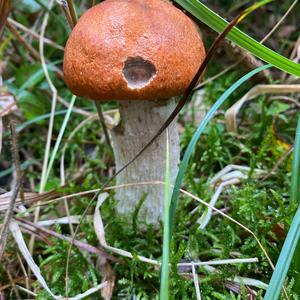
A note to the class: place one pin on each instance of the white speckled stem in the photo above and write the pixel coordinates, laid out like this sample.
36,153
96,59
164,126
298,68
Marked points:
140,121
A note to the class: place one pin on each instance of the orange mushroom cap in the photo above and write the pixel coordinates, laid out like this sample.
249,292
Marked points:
131,50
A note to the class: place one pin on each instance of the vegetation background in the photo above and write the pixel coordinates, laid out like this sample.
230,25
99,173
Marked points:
256,154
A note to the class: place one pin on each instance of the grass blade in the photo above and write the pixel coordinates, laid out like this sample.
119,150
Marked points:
293,235
217,23
196,136
164,277
60,135
295,188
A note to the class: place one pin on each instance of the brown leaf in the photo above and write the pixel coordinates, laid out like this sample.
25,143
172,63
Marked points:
7,104
4,9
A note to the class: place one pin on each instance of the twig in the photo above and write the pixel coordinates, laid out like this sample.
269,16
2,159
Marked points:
64,7
279,162
15,153
12,281
102,121
34,34
279,22
33,53
28,47
72,12
9,212
8,216
4,9
26,290
24,271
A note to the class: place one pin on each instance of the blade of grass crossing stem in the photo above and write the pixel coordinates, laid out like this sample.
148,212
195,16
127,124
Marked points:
196,136
60,135
217,23
164,275
295,188
293,235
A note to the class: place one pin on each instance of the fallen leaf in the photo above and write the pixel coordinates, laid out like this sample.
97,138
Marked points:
7,104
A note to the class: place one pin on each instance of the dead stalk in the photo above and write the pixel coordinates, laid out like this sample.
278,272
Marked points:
8,216
72,12
16,156
34,34
33,53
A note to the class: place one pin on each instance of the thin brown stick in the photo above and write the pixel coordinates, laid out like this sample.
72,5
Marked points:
72,12
8,216
279,162
67,15
102,122
4,9
9,212
34,54
10,277
33,33
15,153
24,271
280,21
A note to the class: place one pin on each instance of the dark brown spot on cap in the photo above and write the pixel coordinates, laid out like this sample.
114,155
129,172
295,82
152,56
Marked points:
138,72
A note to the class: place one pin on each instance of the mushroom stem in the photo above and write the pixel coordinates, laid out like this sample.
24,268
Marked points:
140,120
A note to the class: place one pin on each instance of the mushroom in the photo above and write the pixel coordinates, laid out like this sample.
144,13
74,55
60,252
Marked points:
140,53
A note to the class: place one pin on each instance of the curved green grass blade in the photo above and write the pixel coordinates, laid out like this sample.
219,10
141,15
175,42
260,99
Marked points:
293,236
217,23
195,138
164,275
